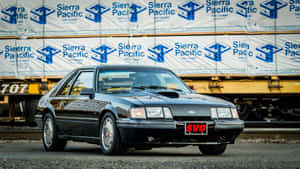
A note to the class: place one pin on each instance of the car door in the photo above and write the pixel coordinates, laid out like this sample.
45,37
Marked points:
58,100
79,109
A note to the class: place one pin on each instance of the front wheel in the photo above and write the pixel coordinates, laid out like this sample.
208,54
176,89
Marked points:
213,149
50,140
110,140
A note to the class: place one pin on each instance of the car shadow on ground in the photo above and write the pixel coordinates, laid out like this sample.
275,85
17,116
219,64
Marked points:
139,153
78,150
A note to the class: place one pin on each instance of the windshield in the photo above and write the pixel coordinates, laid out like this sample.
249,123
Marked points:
110,81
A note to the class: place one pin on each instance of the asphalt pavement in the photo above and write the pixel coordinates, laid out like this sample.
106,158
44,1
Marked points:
30,154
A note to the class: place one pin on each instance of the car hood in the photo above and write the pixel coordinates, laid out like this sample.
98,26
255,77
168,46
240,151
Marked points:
182,105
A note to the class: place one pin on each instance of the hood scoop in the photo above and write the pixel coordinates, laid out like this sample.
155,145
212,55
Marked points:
169,94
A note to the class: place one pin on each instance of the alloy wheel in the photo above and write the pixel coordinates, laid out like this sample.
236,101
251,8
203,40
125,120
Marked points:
48,132
107,133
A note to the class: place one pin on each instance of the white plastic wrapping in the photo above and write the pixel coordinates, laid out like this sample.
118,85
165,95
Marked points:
236,54
86,17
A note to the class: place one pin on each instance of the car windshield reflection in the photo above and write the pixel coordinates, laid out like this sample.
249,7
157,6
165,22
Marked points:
127,81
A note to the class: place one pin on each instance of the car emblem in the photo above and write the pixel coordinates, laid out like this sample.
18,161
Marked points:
191,112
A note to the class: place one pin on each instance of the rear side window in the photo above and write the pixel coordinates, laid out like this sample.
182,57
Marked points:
84,80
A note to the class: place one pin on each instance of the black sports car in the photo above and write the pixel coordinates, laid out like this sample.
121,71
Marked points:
139,107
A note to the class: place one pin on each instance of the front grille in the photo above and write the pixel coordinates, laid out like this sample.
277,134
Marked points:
183,118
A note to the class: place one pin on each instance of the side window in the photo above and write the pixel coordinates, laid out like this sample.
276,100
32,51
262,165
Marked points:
84,80
65,90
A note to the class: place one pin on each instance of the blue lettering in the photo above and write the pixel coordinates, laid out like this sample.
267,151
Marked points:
68,11
160,9
218,6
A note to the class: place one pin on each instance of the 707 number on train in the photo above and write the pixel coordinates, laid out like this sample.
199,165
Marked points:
7,88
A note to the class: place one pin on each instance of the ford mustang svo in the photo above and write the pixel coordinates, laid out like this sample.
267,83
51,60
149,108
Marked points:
137,107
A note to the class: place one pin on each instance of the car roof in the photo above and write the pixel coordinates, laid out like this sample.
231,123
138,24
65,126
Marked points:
122,67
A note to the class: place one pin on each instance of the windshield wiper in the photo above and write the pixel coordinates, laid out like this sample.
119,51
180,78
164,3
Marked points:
155,87
119,89
149,87
176,89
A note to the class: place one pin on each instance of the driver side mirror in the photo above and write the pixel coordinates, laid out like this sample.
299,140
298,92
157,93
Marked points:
88,91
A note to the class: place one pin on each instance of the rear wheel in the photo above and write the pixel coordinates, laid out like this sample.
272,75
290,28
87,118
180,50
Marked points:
110,140
213,149
50,139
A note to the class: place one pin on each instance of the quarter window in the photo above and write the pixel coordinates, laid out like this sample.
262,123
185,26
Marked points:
84,80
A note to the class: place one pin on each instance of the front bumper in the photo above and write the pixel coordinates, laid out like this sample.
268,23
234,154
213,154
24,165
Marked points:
167,132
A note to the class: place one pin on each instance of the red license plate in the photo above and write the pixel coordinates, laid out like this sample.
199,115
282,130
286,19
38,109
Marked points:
195,128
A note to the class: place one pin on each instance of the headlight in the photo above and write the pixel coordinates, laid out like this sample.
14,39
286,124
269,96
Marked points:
224,112
220,112
138,113
151,112
154,112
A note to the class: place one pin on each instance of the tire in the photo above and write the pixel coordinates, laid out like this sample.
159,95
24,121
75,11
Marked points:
213,149
49,135
109,136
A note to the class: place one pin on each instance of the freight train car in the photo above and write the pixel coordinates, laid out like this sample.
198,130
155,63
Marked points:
258,98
